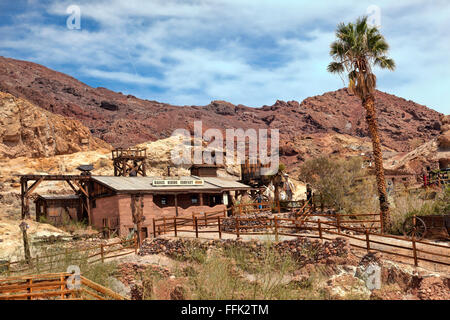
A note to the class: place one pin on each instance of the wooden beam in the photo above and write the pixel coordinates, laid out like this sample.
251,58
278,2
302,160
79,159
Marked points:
81,188
71,185
33,187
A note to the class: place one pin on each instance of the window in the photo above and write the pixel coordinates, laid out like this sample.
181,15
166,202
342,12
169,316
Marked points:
163,200
194,199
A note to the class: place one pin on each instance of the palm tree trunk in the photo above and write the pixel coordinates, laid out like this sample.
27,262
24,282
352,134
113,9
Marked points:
369,105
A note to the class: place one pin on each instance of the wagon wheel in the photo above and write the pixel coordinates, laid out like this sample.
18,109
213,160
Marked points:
417,229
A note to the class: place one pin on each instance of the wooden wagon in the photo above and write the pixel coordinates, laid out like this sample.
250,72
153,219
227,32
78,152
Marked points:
421,226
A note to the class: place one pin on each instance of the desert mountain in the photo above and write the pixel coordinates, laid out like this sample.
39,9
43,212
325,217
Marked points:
125,120
27,130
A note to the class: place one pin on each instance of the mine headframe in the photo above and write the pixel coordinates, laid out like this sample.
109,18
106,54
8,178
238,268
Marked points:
129,162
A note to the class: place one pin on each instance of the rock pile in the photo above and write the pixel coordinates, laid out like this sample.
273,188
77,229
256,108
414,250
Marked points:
434,288
132,274
303,250
259,222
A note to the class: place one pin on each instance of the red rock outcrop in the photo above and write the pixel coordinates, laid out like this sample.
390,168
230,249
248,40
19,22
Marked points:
27,130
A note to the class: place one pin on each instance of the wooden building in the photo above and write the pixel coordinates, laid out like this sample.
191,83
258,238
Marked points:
111,198
204,170
58,209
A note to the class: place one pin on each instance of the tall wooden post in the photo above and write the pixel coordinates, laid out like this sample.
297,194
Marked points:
413,240
137,214
367,240
26,247
175,226
176,205
196,227
102,252
320,228
218,225
22,198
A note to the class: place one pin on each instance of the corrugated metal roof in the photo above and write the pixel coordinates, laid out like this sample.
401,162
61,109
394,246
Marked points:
145,183
224,183
59,196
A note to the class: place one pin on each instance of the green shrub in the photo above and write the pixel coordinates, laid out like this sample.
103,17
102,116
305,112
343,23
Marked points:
343,184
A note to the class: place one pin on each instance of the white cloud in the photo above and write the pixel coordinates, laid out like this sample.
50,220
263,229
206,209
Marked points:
251,52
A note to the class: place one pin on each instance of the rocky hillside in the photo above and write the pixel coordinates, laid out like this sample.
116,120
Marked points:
434,153
125,120
27,130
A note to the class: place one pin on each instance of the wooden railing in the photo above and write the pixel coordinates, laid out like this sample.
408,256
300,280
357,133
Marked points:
56,286
46,263
255,207
292,227
175,224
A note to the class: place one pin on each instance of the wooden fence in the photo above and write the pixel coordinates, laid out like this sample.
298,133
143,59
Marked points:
370,241
45,263
56,286
246,208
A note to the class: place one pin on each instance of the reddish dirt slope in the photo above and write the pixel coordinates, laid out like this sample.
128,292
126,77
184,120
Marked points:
126,120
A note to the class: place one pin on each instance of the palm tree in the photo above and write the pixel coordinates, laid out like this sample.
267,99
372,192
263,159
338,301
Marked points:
356,50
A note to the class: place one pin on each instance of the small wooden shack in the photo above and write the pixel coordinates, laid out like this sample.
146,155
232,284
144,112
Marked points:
204,170
58,209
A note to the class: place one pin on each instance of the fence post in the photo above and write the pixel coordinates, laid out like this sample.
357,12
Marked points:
240,209
193,216
63,286
381,223
196,227
338,220
29,288
237,227
218,224
367,240
175,226
278,206
320,228
154,228
413,240
164,226
276,228
206,220
136,244
101,252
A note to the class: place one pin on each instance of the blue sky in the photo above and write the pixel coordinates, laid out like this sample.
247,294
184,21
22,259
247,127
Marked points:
251,52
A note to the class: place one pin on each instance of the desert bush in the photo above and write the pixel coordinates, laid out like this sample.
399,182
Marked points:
407,205
343,184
